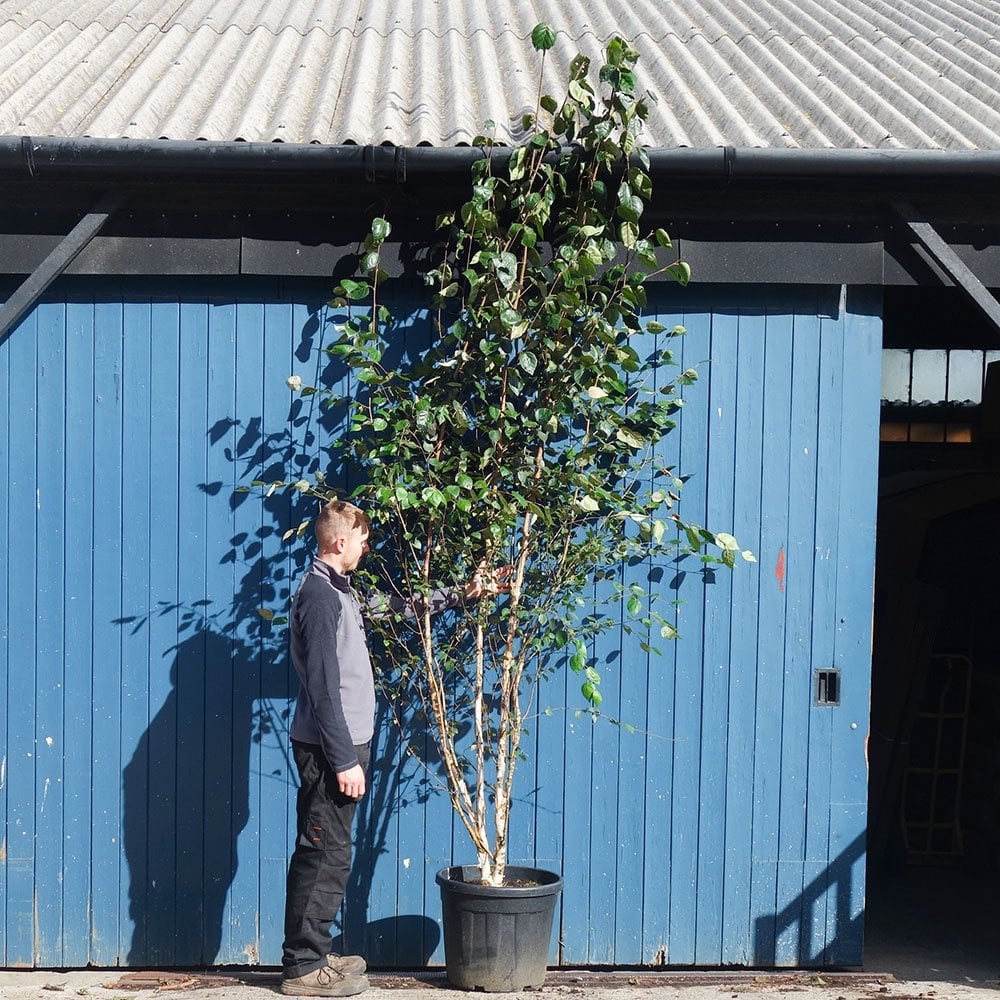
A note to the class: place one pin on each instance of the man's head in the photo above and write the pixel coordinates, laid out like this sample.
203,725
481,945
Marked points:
341,535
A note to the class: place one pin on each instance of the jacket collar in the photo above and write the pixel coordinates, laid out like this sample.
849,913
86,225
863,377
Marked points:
335,579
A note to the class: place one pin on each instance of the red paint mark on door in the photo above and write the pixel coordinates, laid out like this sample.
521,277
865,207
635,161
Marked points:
779,569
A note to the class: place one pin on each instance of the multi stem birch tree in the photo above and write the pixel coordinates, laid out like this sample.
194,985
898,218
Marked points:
521,436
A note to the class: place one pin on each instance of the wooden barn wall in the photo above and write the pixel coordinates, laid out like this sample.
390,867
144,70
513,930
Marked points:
146,792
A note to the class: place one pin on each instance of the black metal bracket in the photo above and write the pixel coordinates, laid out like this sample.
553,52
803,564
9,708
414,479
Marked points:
384,164
956,269
33,287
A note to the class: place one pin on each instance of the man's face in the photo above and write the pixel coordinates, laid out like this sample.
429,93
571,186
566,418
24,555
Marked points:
355,547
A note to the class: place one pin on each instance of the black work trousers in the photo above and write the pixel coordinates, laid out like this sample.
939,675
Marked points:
321,862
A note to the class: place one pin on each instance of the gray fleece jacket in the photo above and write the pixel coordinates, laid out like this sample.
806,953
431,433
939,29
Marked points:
336,703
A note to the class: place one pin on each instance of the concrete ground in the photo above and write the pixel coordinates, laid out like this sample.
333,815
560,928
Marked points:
242,985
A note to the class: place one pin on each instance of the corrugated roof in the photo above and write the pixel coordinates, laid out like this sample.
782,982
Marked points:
912,74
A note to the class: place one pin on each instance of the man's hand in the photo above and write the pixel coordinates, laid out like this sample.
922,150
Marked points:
352,782
495,581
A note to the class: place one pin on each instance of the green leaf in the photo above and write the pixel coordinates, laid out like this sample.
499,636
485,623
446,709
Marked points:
748,556
681,270
528,361
355,290
515,165
266,613
543,37
628,436
380,230
548,103
662,238
579,90
725,541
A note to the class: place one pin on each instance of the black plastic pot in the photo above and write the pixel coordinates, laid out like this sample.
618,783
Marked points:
496,938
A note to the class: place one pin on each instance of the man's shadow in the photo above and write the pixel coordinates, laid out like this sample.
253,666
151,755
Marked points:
187,796
187,799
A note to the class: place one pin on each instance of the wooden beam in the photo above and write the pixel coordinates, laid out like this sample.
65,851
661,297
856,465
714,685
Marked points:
31,290
954,266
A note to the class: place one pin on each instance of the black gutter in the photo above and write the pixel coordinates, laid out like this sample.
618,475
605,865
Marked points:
163,161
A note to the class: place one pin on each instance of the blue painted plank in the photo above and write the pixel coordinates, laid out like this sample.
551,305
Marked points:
107,924
829,420
21,610
797,688
577,798
720,466
136,597
405,888
6,572
229,935
546,799
695,348
631,810
631,671
195,643
50,744
79,540
264,829
604,804
737,945
555,693
659,715
374,877
151,781
770,648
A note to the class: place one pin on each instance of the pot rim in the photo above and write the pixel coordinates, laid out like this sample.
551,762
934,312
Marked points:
452,879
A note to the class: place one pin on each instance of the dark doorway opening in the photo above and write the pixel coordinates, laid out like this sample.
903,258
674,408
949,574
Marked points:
934,751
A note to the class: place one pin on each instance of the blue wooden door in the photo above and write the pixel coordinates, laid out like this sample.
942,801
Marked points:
146,792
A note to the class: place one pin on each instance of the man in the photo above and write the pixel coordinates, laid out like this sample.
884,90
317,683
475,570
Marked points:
331,737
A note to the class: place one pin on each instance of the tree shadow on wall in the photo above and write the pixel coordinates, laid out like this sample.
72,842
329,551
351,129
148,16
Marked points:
191,788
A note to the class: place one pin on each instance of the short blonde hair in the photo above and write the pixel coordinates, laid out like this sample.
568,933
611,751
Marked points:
337,519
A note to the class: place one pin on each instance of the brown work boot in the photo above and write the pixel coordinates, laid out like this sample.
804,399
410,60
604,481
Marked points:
323,982
347,965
